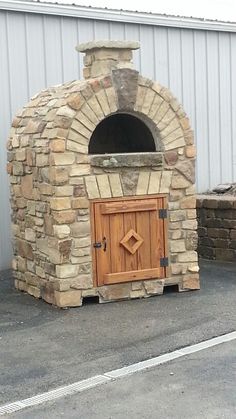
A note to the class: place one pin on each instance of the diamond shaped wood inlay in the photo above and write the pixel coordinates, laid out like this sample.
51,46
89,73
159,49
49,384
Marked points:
132,248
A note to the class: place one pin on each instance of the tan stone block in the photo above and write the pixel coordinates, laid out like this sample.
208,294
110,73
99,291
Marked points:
80,202
20,155
17,169
60,203
191,282
82,282
189,224
191,214
68,298
154,286
52,253
140,98
30,235
80,170
104,186
81,259
179,181
34,291
21,285
184,122
193,268
191,190
177,246
174,225
42,160
81,129
176,269
21,264
61,231
177,134
40,272
162,110
90,114
172,206
64,217
57,145
112,99
176,234
137,293
34,126
143,182
166,120
102,99
9,168
62,159
24,249
79,252
67,271
58,175
165,181
15,142
155,106
80,229
114,292
154,182
179,142
82,242
136,285
77,147
45,189
148,100
75,101
189,256
83,119
177,215
66,190
115,183
190,151
66,111
188,202
92,187
94,104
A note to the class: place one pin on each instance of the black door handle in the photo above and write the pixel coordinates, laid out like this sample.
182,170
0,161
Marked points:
104,242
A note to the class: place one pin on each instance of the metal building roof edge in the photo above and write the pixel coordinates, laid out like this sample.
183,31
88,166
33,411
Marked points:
72,10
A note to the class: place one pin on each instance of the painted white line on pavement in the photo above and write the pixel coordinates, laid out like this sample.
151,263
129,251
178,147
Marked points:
97,380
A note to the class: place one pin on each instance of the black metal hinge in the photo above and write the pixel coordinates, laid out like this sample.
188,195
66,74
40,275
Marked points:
164,262
163,213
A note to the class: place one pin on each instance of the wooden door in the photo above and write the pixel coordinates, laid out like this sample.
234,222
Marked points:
129,240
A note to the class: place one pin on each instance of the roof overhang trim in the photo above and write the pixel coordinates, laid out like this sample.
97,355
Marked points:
116,15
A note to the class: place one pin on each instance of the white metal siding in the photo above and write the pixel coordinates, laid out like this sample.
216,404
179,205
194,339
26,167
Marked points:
199,67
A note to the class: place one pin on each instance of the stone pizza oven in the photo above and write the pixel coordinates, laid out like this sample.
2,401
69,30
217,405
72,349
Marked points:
102,186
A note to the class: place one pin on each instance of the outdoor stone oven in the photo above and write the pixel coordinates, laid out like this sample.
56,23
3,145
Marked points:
102,186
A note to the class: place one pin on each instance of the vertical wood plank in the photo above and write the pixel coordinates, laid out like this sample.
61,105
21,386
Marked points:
165,235
143,228
102,229
117,250
130,260
160,236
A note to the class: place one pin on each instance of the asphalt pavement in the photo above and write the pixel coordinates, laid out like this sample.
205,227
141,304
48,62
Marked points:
200,386
43,347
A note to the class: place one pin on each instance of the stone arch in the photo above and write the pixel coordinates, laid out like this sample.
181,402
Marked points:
153,104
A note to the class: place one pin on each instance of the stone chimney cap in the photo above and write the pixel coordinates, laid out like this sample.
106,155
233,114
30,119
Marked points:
89,46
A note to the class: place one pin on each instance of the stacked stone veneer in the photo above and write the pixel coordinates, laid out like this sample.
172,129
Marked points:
217,227
53,180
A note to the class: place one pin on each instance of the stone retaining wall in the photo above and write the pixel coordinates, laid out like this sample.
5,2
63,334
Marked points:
217,227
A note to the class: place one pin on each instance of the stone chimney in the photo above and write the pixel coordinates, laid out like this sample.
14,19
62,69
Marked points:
101,57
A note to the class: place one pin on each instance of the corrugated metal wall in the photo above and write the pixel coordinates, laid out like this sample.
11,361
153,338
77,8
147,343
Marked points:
198,66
